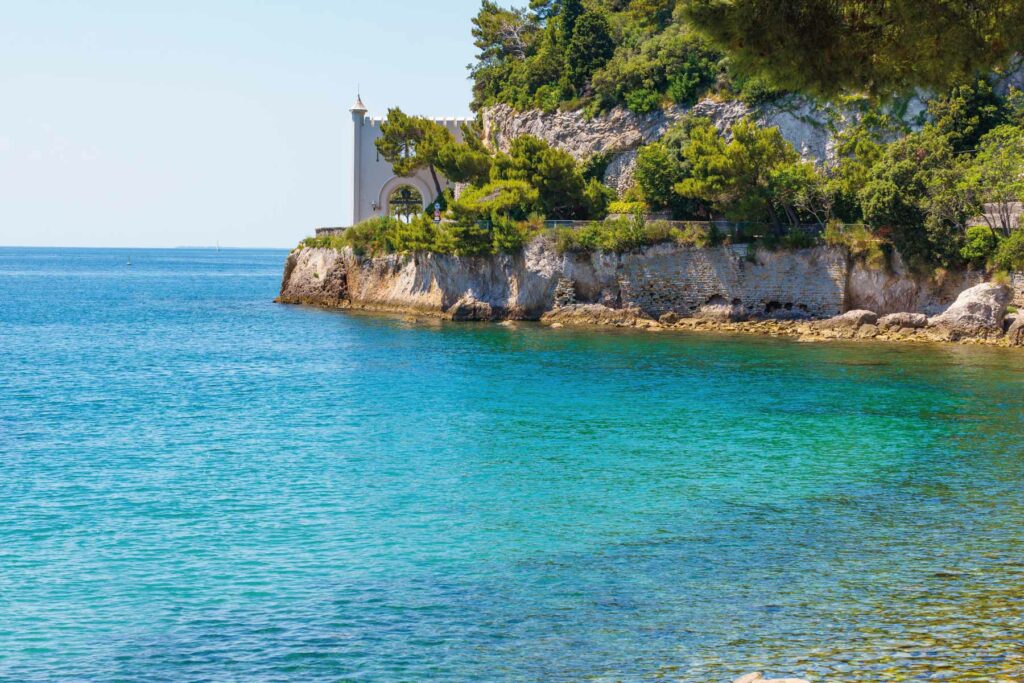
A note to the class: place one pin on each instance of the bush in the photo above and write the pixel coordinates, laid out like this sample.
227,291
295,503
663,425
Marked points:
980,245
625,208
512,198
509,236
857,239
643,100
1010,255
626,234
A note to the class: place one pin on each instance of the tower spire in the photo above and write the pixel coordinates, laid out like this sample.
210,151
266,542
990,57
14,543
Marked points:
358,107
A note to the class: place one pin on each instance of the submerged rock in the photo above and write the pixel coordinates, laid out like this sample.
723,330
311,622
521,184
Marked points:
598,314
977,313
759,678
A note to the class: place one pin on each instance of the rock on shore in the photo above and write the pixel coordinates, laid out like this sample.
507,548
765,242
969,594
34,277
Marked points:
977,313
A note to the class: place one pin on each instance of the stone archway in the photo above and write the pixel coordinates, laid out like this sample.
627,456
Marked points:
396,184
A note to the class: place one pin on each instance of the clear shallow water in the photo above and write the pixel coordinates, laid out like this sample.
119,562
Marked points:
197,484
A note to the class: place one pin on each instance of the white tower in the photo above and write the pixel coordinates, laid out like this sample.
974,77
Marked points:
358,111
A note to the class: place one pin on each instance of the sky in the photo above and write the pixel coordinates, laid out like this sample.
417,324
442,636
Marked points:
165,124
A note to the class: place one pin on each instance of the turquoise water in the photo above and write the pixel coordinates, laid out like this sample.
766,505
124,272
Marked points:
198,484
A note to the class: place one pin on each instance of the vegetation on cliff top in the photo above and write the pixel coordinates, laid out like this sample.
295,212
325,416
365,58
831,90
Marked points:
918,191
647,53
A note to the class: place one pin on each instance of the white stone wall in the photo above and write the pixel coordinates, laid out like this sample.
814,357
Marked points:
373,179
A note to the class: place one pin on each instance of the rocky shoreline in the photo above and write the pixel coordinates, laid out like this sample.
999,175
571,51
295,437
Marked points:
978,316
817,294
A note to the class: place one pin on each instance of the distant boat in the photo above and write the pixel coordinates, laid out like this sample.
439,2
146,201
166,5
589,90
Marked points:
129,261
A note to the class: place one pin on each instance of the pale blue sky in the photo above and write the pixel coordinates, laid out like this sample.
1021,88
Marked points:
127,123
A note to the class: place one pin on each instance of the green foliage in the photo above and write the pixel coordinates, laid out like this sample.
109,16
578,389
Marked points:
572,54
858,239
589,48
966,113
624,208
643,100
515,199
658,170
980,245
411,143
633,232
1010,255
996,175
595,166
916,195
740,177
827,47
562,191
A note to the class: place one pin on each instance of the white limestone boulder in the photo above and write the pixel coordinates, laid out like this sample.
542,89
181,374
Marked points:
977,313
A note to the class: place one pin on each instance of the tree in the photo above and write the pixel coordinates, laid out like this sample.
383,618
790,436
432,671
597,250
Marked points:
589,48
827,47
966,113
736,177
857,149
996,176
411,143
916,193
553,172
569,13
658,170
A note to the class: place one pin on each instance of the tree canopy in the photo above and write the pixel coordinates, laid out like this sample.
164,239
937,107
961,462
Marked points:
830,47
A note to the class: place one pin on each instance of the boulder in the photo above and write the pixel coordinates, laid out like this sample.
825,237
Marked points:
759,678
469,308
896,321
850,320
1015,335
977,313
598,314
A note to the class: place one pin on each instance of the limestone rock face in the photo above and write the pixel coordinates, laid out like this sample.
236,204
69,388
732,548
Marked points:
850,320
896,321
315,276
978,312
620,132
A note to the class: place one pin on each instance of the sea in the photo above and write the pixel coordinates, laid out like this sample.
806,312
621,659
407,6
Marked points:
198,484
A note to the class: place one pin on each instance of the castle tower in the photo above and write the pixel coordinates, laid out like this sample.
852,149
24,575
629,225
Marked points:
358,111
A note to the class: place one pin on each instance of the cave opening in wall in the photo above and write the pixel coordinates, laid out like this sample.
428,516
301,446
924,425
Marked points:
405,202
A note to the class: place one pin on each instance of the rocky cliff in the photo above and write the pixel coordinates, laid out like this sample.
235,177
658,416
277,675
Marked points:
664,279
809,126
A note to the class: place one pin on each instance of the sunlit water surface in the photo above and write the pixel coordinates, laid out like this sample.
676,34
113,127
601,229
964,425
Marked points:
197,484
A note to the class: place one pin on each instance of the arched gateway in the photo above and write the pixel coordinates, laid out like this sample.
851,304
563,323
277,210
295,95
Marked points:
373,181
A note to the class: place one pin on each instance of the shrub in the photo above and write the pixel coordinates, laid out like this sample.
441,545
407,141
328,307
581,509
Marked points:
857,239
980,245
625,208
1010,255
509,236
513,198
643,100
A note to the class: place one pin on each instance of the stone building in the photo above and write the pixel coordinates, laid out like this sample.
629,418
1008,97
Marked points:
375,189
